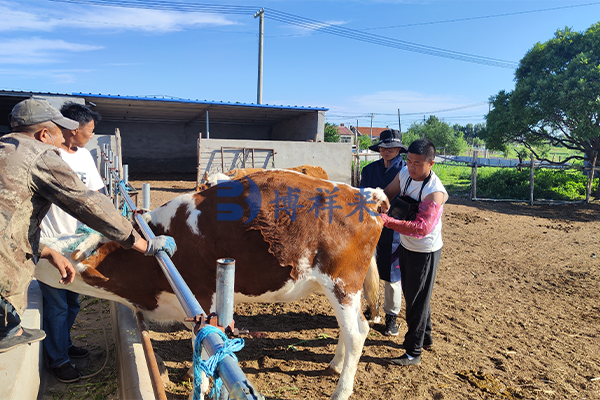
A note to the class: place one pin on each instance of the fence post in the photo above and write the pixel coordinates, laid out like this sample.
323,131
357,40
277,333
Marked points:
474,176
145,196
224,299
198,171
531,173
588,189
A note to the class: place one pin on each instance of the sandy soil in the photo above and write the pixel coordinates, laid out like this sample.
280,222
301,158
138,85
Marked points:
515,314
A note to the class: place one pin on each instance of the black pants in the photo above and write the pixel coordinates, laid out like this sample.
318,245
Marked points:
418,276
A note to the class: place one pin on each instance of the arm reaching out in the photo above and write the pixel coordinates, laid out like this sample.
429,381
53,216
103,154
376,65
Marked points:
427,218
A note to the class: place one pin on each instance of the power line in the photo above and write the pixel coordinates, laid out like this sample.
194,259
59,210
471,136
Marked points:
306,23
483,17
365,115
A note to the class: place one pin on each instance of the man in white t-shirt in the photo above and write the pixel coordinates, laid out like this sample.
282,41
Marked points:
420,244
60,305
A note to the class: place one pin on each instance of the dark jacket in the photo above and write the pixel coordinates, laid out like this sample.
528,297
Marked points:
375,175
32,176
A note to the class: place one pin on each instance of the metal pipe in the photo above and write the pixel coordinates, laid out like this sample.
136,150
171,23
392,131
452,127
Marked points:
155,379
145,196
224,298
225,286
235,381
207,125
126,173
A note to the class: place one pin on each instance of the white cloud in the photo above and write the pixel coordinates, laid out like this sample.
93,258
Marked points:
38,50
23,16
48,76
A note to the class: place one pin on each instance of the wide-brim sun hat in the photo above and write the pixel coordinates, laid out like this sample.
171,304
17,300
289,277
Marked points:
390,138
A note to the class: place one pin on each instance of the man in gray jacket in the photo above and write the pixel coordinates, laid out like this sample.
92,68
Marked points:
32,176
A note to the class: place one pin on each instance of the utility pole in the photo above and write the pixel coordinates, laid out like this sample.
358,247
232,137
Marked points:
371,128
261,25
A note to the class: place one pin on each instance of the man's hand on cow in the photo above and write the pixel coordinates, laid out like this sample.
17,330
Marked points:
61,263
161,243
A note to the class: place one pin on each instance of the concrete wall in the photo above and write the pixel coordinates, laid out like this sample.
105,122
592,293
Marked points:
335,158
308,127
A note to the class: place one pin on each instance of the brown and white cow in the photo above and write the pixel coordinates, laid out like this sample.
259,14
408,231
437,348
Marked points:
290,235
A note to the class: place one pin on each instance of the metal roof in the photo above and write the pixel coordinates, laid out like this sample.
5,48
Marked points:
156,109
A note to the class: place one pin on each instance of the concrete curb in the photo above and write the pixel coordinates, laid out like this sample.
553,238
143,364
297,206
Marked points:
20,367
133,377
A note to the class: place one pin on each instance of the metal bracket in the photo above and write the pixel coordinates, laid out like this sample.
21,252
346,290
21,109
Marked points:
201,320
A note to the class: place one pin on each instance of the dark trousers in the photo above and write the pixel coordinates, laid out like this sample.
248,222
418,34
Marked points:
10,322
418,276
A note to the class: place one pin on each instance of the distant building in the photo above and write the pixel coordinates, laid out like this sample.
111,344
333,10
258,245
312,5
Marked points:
366,131
346,134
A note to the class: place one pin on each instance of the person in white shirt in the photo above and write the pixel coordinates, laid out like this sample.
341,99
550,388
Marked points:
60,305
420,244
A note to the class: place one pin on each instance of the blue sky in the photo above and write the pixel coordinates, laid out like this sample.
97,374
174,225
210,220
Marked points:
64,47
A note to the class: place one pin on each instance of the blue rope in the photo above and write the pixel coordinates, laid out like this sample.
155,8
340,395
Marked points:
209,367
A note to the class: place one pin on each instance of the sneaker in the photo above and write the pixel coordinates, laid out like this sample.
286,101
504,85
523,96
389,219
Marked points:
391,328
404,361
28,336
78,352
66,373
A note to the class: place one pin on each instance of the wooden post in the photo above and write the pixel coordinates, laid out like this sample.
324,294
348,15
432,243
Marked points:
119,152
531,173
474,176
588,189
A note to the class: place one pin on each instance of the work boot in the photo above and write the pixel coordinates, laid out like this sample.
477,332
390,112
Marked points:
391,328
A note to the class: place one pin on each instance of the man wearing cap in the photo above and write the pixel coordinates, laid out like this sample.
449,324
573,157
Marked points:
32,176
379,174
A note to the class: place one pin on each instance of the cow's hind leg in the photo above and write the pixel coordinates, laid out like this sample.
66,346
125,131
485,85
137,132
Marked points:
353,332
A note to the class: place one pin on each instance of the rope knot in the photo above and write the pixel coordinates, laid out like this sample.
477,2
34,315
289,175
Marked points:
209,367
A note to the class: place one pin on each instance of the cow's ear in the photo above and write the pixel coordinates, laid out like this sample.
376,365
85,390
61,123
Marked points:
92,276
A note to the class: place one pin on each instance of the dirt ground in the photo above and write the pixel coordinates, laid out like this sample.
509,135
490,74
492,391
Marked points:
515,312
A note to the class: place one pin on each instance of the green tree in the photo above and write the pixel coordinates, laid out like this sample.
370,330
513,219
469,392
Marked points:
364,142
440,133
556,100
331,133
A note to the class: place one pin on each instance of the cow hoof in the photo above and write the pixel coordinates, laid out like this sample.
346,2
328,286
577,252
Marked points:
330,372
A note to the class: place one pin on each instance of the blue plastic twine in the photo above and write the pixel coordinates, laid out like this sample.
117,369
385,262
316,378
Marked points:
209,367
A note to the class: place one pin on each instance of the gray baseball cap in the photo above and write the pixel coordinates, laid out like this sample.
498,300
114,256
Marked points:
35,111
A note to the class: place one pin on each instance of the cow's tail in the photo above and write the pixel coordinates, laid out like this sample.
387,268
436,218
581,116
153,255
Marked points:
371,291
